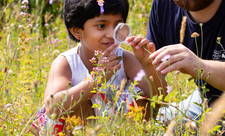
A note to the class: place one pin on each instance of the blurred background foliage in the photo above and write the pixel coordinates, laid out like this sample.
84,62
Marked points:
26,55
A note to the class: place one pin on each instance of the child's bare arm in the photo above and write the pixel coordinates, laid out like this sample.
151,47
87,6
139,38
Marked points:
142,49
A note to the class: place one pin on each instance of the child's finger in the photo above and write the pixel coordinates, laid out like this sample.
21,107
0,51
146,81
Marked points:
135,41
143,42
130,39
110,49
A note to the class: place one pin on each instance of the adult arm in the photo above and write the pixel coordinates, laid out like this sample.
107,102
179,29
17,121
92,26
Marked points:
183,59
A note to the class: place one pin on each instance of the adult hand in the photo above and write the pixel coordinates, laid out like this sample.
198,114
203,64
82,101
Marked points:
179,57
109,61
142,48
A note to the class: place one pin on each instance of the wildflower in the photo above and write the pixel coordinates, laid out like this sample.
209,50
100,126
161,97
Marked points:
22,13
104,59
100,69
218,38
166,57
20,26
194,35
93,60
29,25
10,71
61,134
169,89
46,24
95,68
8,105
25,2
50,2
178,71
24,7
96,53
140,75
56,52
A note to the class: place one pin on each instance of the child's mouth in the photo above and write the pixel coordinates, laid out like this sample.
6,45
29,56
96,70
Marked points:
108,43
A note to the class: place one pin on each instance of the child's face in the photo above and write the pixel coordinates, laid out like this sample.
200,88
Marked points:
98,32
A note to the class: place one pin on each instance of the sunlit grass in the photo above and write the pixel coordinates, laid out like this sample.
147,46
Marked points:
25,64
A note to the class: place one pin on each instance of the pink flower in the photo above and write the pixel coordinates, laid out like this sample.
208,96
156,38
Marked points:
29,25
25,2
20,26
96,53
93,60
140,75
165,58
104,59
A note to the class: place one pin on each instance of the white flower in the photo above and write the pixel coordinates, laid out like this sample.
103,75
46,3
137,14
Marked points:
8,105
165,58
140,75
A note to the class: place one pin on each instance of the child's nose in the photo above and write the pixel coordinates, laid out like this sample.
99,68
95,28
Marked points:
109,33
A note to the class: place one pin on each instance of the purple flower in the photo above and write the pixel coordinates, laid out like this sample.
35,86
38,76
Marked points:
50,2
165,58
140,75
169,89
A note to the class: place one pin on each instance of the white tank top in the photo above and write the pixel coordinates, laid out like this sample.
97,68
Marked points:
80,72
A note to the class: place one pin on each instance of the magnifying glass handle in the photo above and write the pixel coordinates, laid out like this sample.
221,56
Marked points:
114,50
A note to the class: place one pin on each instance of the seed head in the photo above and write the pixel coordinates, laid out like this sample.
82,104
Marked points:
182,30
194,35
5,69
69,83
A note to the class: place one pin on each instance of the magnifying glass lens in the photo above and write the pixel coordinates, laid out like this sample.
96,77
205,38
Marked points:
121,32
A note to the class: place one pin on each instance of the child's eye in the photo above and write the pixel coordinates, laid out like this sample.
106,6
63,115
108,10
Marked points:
101,25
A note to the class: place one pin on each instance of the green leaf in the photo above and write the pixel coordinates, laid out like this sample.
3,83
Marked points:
153,104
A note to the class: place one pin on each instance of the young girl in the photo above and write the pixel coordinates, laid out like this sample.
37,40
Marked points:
91,23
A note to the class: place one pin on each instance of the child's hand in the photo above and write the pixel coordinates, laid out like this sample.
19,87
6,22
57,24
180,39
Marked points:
142,49
109,61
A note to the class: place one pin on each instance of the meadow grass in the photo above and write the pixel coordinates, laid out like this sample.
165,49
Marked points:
25,60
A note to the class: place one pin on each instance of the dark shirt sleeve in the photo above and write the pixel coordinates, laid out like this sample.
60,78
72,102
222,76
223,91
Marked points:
154,33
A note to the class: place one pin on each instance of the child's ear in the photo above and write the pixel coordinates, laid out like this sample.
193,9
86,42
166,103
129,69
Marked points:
75,32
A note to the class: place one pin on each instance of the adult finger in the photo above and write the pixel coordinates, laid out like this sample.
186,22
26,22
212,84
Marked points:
168,51
175,66
170,61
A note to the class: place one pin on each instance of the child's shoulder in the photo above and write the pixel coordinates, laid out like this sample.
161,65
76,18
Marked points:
69,52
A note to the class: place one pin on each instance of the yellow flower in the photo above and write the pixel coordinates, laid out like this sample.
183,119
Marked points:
61,134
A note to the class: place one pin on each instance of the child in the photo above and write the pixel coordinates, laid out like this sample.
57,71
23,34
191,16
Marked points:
91,23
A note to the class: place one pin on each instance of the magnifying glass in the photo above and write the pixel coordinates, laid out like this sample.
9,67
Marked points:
120,34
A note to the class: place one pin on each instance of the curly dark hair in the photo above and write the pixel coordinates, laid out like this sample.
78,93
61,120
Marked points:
77,12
